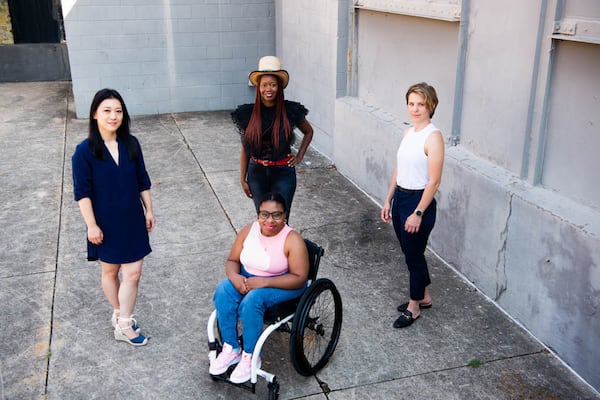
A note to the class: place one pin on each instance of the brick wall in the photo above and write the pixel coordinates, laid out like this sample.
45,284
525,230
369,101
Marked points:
6,36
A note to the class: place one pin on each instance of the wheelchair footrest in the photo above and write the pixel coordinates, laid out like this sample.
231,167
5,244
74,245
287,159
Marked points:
249,386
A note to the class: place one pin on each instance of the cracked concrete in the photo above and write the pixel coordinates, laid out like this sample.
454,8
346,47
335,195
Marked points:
502,280
55,335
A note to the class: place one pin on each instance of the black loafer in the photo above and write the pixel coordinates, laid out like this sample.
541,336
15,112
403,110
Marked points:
405,319
402,307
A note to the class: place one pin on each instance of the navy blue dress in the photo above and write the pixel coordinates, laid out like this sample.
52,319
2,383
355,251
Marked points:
115,194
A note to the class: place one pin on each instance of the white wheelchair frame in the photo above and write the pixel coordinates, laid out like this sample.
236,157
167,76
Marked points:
297,311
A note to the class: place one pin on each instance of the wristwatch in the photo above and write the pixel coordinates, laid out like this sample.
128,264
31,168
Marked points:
419,212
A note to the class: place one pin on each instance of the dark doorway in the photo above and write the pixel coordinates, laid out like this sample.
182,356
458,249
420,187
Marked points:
39,52
35,21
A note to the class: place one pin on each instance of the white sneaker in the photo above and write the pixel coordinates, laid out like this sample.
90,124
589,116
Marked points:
226,358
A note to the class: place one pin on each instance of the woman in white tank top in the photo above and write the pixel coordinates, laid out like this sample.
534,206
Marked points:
410,204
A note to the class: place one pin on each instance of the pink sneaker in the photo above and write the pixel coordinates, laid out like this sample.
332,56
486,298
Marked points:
226,358
243,371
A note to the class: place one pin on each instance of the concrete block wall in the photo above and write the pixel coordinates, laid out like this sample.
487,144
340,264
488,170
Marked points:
176,56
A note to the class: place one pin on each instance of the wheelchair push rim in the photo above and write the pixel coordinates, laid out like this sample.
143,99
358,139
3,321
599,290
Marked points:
316,327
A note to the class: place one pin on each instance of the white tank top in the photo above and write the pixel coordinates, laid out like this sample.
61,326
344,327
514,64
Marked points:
412,172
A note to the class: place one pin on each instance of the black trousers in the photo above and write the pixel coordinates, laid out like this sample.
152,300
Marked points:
414,244
280,179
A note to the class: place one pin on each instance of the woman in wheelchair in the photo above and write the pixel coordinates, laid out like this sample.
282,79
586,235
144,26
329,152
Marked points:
268,264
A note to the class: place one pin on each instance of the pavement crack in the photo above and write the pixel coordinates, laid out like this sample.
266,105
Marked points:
323,385
61,199
435,371
197,161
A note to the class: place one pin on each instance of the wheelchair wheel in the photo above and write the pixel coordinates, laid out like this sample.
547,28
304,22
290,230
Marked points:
316,327
274,390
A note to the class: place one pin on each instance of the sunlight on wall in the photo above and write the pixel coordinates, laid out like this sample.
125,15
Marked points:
170,42
67,6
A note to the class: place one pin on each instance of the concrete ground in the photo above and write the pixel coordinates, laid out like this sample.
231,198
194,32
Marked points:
55,335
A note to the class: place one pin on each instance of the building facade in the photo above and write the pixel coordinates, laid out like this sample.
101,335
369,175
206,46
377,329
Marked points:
519,210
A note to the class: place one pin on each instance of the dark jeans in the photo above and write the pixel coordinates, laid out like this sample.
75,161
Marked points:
280,179
413,244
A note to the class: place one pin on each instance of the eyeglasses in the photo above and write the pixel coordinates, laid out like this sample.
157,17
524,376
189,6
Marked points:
264,215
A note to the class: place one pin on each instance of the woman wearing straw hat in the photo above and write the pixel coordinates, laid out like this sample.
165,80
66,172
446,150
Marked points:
267,163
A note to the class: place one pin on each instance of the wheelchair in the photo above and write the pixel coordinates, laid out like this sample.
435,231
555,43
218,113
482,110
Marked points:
316,323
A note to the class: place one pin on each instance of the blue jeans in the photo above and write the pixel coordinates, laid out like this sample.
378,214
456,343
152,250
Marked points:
231,305
414,244
280,179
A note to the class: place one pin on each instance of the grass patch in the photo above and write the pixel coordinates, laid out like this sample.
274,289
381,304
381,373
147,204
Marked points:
476,363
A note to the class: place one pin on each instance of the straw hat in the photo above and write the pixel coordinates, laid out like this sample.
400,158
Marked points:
269,65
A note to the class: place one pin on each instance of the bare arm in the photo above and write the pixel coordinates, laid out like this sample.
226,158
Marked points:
94,232
387,203
149,215
307,130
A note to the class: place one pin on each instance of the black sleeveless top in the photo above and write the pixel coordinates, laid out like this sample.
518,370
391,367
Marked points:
296,113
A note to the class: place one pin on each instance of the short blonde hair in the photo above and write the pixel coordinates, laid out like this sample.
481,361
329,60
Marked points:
428,93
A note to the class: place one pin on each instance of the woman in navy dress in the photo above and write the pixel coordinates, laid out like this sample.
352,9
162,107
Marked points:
112,188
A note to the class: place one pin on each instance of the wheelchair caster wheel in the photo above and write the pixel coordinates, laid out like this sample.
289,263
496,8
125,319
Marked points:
274,391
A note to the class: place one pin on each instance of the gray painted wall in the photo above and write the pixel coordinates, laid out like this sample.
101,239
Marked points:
499,67
536,254
518,207
573,136
368,125
167,55
308,37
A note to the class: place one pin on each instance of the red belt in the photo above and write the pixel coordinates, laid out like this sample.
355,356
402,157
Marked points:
269,163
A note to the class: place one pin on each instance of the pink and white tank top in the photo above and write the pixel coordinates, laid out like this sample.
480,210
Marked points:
263,255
